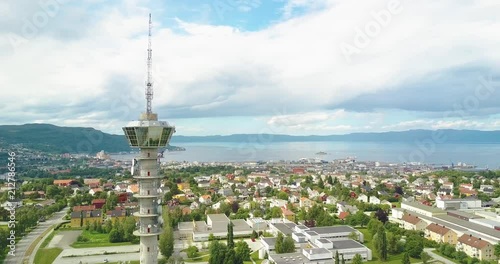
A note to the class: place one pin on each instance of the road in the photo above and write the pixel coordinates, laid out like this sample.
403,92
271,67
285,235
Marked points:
437,257
24,243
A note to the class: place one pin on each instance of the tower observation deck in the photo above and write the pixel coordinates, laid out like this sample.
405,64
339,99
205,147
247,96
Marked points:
148,134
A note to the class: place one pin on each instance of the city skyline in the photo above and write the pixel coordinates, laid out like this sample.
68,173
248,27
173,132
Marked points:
227,67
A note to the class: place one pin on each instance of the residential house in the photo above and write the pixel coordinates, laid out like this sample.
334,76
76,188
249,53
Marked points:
331,200
12,203
194,205
287,214
362,198
81,218
79,208
205,199
95,191
121,187
440,234
412,222
374,200
305,202
64,183
476,247
133,188
98,203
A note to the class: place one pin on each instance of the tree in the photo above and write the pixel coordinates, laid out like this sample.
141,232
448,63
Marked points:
381,216
217,252
330,180
393,243
406,259
337,259
357,259
288,245
279,243
242,251
192,252
343,260
254,235
166,243
425,257
114,236
230,236
381,244
414,246
374,225
283,195
497,250
321,184
230,257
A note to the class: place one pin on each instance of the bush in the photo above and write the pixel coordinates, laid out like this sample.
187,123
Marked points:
82,238
192,252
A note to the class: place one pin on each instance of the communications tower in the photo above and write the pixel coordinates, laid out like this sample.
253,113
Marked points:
148,134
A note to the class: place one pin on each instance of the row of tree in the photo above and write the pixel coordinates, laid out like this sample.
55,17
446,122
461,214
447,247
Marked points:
229,253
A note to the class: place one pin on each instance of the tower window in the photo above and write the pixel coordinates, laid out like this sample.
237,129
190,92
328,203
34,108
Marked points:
149,154
148,249
149,174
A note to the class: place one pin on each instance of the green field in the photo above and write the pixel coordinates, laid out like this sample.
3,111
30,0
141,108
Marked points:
47,255
448,258
95,239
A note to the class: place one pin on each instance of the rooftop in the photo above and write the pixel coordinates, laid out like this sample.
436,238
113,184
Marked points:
345,244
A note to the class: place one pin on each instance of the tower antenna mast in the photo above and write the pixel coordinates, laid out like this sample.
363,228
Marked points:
149,84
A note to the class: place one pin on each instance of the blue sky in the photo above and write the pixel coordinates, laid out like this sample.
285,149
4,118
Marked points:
296,67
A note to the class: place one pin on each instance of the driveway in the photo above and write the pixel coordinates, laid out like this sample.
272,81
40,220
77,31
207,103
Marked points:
24,243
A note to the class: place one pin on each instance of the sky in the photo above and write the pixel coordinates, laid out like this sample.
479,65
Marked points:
298,67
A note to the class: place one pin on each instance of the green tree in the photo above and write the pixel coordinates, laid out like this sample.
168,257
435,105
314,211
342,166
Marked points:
381,244
357,259
114,236
337,259
217,252
288,245
230,236
166,243
393,243
242,251
279,243
497,250
406,259
283,195
425,257
414,246
342,260
230,256
192,252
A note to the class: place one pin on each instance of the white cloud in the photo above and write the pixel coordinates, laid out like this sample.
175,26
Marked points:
219,70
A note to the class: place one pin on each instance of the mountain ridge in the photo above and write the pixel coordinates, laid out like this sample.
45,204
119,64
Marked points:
52,138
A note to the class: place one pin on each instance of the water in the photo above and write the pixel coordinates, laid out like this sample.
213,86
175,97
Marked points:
481,155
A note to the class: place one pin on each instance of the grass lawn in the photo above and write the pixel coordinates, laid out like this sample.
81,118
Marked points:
96,240
255,257
47,255
203,257
392,259
448,258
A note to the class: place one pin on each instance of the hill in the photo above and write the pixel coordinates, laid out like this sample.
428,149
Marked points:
50,138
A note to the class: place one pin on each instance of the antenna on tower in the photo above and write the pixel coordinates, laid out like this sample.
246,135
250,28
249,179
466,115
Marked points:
149,83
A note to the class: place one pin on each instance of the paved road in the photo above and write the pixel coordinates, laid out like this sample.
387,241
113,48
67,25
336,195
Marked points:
23,244
437,257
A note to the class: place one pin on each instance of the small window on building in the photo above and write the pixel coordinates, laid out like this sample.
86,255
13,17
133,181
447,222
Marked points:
149,174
